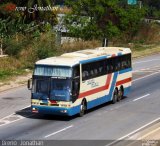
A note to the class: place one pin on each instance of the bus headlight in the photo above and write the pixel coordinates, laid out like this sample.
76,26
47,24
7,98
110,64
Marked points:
34,110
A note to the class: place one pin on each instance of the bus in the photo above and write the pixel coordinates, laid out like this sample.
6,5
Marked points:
75,82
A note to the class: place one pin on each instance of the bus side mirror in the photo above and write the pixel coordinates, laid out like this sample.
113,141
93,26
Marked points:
29,84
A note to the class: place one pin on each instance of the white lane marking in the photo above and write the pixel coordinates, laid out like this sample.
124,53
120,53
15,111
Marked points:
58,131
149,134
133,132
29,105
19,117
1,120
25,107
14,113
141,97
138,62
9,122
145,76
147,69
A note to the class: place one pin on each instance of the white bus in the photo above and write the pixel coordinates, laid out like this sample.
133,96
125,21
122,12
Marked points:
75,82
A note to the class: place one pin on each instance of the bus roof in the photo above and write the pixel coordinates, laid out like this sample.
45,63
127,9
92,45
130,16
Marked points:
84,56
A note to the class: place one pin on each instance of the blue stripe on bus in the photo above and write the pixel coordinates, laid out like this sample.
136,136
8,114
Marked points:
105,98
93,59
75,110
113,85
125,70
57,110
90,104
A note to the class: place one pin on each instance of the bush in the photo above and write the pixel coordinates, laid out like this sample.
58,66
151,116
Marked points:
13,48
15,44
45,45
9,66
79,45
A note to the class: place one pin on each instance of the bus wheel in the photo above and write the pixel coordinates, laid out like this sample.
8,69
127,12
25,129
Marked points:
83,108
120,94
115,96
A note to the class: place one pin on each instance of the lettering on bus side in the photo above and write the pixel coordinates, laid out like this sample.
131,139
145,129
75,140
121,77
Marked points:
92,83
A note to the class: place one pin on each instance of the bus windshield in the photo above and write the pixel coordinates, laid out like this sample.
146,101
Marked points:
52,82
55,89
60,89
42,86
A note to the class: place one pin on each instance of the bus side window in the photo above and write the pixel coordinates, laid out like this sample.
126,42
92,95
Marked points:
129,60
116,62
91,73
95,71
76,71
129,64
100,69
110,65
123,63
75,89
126,61
85,75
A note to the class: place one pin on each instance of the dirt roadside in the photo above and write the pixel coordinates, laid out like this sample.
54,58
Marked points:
15,82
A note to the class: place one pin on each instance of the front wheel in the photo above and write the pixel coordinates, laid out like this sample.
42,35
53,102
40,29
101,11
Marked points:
115,96
82,108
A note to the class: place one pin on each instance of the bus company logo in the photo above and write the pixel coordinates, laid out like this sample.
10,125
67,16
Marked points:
92,83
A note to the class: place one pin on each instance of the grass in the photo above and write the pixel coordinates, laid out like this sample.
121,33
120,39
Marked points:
146,42
7,74
145,51
79,45
11,67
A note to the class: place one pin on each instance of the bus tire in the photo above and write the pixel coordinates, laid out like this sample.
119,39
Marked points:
120,93
115,96
83,108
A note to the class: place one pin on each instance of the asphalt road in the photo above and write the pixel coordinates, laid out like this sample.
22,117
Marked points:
106,122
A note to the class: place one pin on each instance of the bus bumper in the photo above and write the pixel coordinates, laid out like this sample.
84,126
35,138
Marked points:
55,110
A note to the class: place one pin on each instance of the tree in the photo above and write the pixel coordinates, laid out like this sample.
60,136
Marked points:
153,8
91,19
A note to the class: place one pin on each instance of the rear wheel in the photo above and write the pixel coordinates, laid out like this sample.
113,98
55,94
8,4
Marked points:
115,96
83,108
120,94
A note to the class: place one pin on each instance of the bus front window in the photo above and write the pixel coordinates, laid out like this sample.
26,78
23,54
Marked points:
40,89
42,86
60,89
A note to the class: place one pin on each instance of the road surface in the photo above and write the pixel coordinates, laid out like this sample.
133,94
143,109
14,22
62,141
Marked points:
106,122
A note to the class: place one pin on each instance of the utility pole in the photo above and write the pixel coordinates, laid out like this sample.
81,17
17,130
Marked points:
1,46
140,4
105,42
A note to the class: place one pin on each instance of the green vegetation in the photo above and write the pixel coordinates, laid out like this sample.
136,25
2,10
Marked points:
103,19
9,67
27,37
153,8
